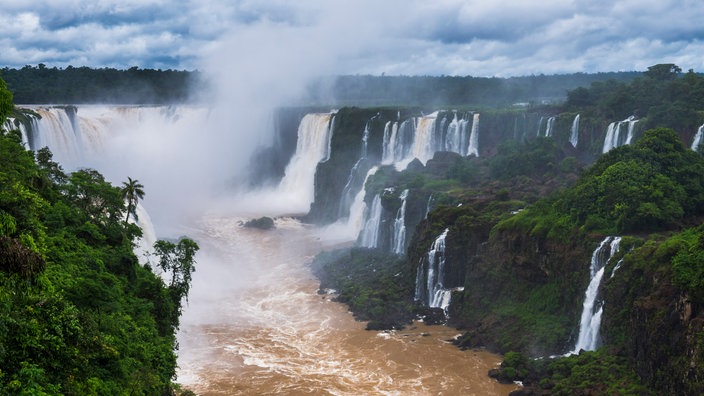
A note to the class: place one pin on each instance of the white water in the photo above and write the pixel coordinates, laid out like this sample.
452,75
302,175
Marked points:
312,147
9,125
574,132
590,322
697,138
254,323
473,148
549,126
613,136
369,236
398,242
430,287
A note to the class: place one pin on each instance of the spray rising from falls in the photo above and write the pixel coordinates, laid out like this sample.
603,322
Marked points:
574,132
590,322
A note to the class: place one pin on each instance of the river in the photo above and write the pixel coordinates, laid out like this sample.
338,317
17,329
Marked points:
255,325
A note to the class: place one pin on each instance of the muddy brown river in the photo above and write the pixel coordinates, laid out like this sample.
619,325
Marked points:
255,325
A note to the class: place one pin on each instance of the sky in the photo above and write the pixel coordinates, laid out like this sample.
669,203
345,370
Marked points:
394,37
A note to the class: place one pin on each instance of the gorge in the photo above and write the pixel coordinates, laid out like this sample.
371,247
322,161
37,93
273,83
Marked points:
467,217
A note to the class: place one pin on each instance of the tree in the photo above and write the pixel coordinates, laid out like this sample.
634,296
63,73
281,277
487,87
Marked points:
663,71
179,260
6,104
132,191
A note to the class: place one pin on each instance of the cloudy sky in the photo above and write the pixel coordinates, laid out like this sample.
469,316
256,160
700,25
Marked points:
410,37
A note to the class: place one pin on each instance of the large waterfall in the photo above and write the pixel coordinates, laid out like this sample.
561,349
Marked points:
422,137
430,276
312,147
590,321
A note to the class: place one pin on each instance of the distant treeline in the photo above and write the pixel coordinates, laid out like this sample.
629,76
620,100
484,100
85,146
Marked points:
41,84
370,90
75,85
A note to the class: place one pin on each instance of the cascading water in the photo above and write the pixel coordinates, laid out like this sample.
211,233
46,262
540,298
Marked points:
697,141
590,322
453,138
369,236
352,187
473,148
574,132
540,125
312,147
613,134
430,288
12,124
549,126
398,242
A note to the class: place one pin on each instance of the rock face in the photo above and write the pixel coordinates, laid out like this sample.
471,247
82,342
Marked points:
656,324
262,223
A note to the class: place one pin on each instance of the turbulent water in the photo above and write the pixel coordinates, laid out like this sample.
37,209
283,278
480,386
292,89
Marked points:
255,325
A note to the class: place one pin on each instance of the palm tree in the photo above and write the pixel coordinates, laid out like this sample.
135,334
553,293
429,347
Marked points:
132,191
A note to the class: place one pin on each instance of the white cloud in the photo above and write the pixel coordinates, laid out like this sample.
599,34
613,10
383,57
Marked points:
457,37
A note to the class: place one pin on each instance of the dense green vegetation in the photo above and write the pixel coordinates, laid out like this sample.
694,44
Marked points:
524,219
366,90
372,283
73,85
663,96
79,314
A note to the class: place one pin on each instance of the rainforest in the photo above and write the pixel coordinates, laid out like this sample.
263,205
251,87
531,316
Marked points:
560,229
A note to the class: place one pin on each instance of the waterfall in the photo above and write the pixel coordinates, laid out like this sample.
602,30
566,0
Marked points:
574,133
398,243
424,144
613,134
312,147
548,127
698,138
473,147
430,276
369,236
453,138
12,124
591,313
540,126
351,189
631,128
63,137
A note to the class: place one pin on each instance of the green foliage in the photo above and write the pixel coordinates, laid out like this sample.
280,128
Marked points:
78,313
533,158
41,84
132,191
6,104
687,252
373,284
584,374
